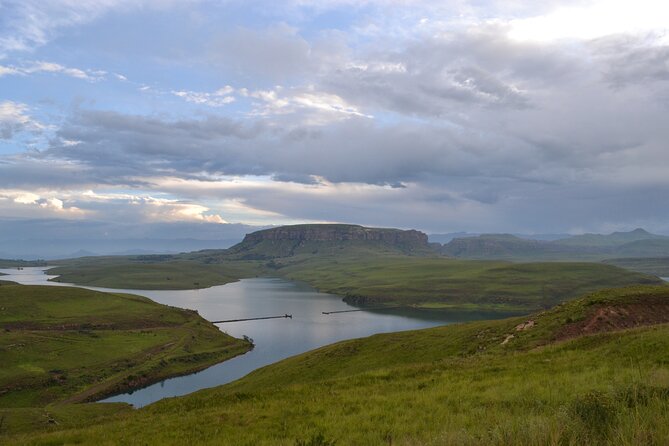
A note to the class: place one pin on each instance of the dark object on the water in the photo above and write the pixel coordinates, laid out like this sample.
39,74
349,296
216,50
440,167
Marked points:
285,316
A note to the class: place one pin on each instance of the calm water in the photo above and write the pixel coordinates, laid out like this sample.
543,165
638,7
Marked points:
274,339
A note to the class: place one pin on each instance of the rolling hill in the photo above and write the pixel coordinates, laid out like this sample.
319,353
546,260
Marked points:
592,247
72,344
367,266
591,371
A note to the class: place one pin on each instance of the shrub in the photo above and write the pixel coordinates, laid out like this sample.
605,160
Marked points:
595,410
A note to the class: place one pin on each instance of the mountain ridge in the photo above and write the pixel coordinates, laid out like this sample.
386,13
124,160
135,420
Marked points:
636,243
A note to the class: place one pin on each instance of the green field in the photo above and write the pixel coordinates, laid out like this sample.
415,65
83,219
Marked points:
657,266
438,281
149,272
364,275
63,345
591,371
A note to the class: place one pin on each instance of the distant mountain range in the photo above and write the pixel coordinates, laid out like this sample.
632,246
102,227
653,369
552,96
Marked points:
636,243
71,248
447,237
310,239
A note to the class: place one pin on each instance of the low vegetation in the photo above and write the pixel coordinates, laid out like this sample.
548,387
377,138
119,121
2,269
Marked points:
657,266
155,272
14,263
441,282
61,345
364,273
591,371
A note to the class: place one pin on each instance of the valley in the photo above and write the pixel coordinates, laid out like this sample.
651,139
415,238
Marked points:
449,384
548,378
366,266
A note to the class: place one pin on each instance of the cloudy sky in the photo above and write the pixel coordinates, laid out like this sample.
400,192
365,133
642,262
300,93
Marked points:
480,116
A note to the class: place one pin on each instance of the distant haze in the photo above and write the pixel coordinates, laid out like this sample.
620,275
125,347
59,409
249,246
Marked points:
50,239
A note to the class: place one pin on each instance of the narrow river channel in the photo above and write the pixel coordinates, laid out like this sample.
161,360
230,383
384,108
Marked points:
274,339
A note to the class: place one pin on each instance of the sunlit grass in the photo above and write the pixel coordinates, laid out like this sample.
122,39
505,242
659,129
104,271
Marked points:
447,385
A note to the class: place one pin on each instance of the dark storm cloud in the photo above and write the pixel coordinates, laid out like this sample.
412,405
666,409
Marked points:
354,150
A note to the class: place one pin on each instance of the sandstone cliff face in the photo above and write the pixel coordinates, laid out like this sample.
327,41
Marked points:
326,233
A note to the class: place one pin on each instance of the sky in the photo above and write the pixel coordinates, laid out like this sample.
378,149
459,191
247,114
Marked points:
480,116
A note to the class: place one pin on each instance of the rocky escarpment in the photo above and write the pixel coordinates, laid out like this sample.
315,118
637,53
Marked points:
329,233
287,241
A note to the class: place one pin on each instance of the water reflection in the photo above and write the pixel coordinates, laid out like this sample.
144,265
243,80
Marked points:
275,339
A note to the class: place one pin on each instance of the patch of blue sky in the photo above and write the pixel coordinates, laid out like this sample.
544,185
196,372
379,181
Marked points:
341,19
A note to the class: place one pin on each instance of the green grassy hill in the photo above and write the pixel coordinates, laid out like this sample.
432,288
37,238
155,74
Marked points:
591,371
657,266
63,345
367,266
441,282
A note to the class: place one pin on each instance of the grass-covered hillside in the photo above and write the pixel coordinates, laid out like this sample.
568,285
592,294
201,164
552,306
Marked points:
591,371
366,266
63,345
154,272
657,266
441,282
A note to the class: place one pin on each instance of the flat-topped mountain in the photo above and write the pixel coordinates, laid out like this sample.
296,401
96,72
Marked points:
329,232
286,241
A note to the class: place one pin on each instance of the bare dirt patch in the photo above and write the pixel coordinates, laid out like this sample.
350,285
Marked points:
606,318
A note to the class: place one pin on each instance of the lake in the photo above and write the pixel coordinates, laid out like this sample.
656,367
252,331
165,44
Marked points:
274,339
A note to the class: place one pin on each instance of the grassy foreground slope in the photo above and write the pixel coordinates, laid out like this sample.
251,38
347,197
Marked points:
591,371
64,345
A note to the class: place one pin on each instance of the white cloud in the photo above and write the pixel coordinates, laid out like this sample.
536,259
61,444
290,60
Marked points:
317,107
43,203
14,118
52,67
145,207
219,98
4,71
592,20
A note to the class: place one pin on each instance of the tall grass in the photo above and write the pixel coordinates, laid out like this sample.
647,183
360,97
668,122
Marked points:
454,385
